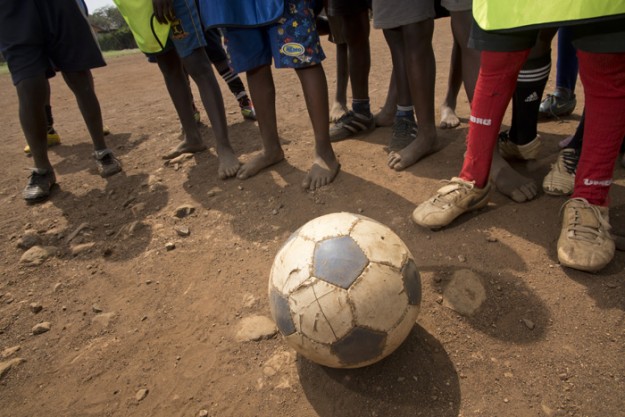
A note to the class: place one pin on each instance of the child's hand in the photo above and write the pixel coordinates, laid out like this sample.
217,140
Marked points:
163,11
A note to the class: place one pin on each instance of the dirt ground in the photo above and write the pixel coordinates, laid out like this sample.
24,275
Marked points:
137,329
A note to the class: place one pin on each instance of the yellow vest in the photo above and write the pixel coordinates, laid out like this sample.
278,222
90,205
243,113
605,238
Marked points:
509,14
150,35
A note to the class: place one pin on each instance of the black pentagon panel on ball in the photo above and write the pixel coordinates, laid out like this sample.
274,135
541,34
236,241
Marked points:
359,345
281,313
339,261
412,282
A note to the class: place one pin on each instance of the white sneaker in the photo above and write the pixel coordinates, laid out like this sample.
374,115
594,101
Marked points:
510,150
561,179
457,197
585,242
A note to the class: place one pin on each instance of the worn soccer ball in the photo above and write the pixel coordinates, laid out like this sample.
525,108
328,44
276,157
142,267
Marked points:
344,290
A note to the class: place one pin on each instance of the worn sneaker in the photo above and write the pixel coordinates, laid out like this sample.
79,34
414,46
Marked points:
585,242
404,132
107,163
561,103
53,139
561,179
247,108
350,125
510,150
457,197
39,185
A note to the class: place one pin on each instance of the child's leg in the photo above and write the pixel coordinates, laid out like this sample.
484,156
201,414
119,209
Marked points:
199,68
421,71
180,94
31,93
603,76
315,88
493,91
339,108
263,91
404,125
81,84
449,119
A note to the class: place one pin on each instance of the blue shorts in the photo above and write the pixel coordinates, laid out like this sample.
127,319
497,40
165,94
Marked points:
186,32
37,37
292,42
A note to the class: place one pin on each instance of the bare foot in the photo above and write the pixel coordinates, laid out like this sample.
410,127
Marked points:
228,164
449,120
384,118
322,172
510,183
259,162
416,150
185,147
338,110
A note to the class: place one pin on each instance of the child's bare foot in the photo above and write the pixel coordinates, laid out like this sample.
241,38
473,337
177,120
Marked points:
384,118
259,162
417,149
510,183
338,110
322,172
449,120
185,147
228,164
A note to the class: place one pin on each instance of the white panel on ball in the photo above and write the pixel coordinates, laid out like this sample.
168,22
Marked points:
379,297
330,225
321,311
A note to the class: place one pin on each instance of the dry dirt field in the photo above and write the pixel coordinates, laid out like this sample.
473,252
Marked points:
139,330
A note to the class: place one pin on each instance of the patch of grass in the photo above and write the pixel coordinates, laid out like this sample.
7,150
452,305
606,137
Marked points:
113,54
4,69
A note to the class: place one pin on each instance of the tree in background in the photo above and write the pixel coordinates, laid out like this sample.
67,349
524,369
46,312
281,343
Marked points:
111,28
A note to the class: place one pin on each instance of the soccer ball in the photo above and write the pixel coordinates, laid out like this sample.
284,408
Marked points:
344,290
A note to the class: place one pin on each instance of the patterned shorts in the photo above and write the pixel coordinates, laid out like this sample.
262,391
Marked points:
292,42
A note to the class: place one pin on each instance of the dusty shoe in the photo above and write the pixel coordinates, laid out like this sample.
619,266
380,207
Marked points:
39,185
510,150
450,201
561,179
350,125
561,103
107,163
404,132
585,242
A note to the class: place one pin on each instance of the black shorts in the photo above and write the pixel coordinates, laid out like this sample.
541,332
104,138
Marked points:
347,7
37,36
606,36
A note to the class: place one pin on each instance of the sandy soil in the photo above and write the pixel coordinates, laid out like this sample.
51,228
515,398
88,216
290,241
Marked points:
126,314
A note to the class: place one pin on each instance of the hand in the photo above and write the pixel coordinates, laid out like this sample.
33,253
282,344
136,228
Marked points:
163,11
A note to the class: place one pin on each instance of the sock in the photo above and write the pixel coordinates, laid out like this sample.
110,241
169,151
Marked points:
49,118
404,112
234,83
361,105
526,100
494,88
603,77
566,66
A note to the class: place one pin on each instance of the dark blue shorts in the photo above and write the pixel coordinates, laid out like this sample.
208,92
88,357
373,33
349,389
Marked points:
37,36
292,42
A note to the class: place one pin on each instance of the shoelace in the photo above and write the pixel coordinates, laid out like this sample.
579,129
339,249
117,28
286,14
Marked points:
570,160
588,234
462,187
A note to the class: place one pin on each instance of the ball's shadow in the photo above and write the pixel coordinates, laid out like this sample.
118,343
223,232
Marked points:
418,379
